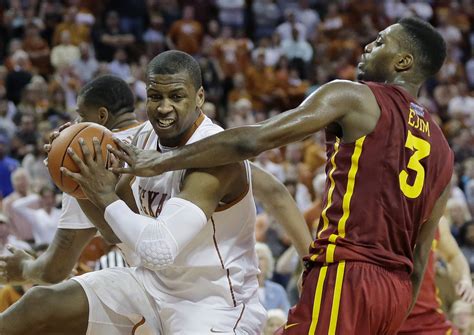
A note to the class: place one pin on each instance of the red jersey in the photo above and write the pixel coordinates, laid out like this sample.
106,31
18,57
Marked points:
382,188
427,315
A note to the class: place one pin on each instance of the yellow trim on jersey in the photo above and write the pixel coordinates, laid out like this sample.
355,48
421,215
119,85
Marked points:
318,299
330,253
346,200
331,188
450,331
336,300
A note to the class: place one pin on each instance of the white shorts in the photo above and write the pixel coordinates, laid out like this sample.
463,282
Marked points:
118,303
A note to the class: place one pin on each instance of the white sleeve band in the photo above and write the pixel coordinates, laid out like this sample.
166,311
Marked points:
157,241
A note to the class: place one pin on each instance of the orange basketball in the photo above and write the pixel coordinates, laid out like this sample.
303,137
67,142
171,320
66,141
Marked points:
69,137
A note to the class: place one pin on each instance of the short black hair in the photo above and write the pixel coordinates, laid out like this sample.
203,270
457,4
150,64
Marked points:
110,92
173,62
427,44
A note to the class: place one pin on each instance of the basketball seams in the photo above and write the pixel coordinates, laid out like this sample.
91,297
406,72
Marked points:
59,157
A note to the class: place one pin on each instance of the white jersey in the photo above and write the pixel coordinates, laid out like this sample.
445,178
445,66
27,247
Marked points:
72,216
219,266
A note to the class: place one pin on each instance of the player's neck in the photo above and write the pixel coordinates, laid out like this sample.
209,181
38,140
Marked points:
124,121
410,87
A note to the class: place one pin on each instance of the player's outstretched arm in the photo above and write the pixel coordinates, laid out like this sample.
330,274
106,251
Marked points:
53,266
350,104
424,242
278,202
458,267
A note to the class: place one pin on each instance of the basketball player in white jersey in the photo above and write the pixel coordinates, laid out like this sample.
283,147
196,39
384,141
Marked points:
198,273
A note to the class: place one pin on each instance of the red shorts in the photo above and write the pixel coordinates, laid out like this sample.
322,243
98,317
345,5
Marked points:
350,298
430,323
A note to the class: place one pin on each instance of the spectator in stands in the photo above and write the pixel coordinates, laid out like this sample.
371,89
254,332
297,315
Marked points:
457,214
466,242
7,127
309,18
266,14
153,36
43,220
21,186
111,38
86,65
38,50
285,29
79,32
18,77
186,34
261,83
7,166
8,239
272,295
297,50
275,319
232,13
65,53
119,65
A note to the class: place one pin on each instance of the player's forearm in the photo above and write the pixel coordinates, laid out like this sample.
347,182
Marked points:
278,202
420,260
231,146
38,272
458,269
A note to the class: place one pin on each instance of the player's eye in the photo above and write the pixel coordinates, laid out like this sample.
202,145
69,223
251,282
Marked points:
154,97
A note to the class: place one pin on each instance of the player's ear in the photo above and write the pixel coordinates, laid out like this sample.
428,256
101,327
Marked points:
404,62
103,115
200,97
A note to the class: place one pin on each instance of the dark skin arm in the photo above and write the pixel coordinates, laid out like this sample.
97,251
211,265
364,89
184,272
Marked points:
278,202
53,266
423,244
350,105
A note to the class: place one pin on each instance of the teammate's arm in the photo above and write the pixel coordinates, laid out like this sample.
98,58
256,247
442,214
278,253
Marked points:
423,244
351,105
53,266
278,202
458,267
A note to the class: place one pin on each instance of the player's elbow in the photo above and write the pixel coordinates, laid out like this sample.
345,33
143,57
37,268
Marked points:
156,255
247,148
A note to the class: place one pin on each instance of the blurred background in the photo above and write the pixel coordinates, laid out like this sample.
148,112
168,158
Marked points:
258,58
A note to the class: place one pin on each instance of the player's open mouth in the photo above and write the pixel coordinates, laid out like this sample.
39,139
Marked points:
166,123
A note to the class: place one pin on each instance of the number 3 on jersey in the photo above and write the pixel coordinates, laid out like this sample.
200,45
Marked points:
421,150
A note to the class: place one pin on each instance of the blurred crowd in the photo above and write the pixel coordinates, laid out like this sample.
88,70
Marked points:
258,58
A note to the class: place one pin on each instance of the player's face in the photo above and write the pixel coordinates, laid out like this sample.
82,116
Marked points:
377,61
172,105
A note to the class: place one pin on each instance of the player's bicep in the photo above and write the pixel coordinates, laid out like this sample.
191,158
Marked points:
206,187
330,103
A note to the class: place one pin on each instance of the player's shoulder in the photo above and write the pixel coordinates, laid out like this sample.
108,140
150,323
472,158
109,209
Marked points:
348,91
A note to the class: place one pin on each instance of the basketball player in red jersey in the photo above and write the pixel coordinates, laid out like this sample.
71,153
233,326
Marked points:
426,316
388,168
